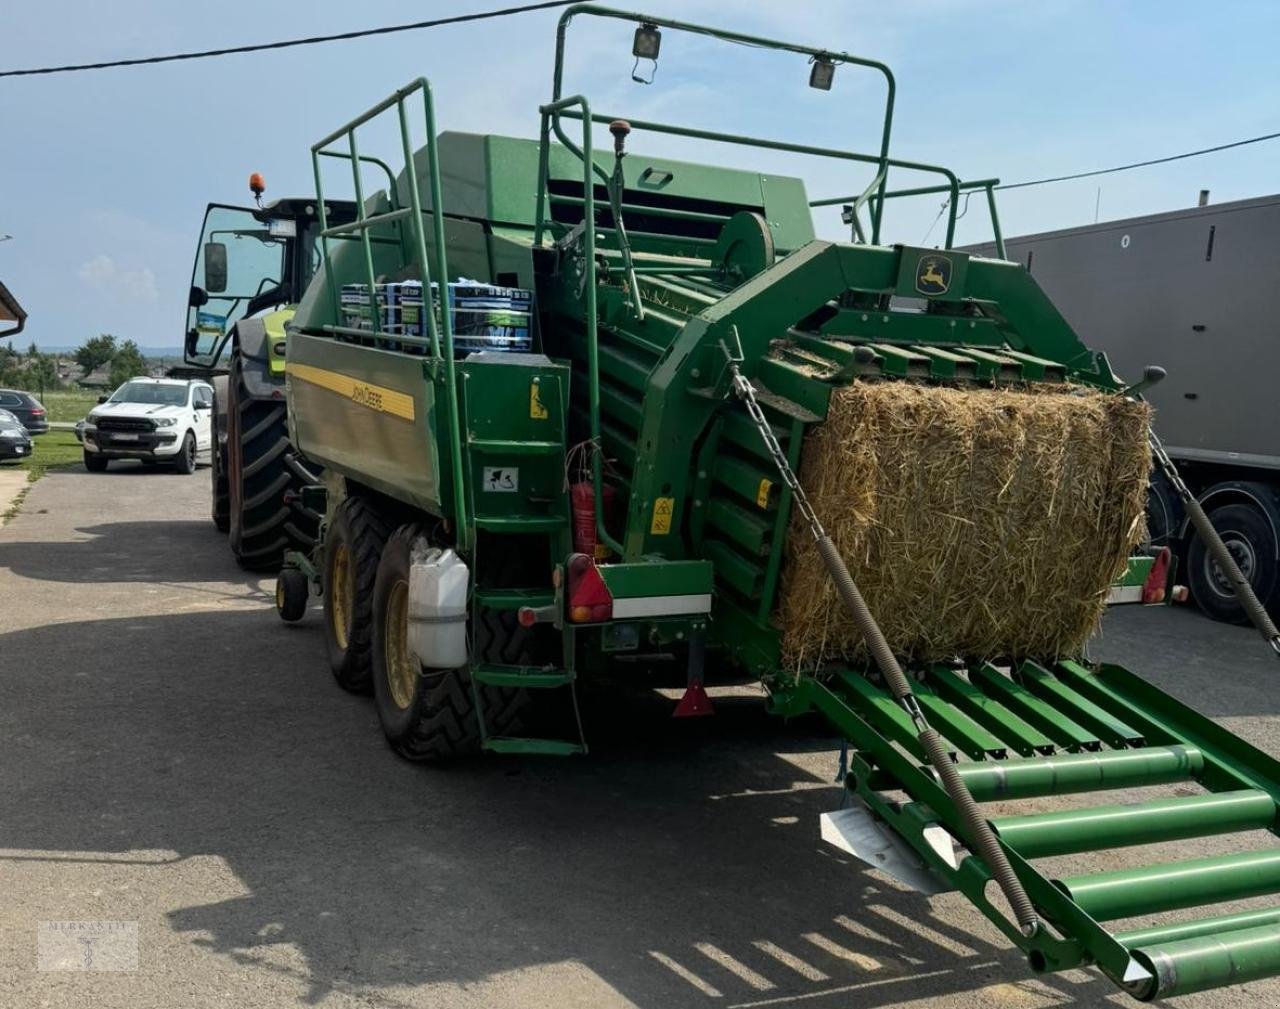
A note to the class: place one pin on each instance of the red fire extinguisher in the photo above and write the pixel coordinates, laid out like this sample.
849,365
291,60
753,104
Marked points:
582,499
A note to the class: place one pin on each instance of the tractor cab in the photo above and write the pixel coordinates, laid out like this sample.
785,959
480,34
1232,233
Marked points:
249,260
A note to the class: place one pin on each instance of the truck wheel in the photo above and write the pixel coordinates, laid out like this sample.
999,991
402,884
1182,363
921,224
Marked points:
94,462
353,544
1252,542
426,714
221,501
186,460
262,526
292,592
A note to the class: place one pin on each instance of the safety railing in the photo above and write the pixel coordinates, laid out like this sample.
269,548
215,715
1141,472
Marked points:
853,204
439,339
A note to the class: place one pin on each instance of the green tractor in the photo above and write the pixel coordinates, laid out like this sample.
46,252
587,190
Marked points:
251,268
552,402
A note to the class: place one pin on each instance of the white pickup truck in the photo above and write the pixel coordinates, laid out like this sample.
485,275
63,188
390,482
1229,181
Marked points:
156,420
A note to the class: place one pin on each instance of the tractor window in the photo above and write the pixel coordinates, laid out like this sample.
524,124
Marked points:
237,259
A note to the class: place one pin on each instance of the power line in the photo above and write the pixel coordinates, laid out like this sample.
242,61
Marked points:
1140,164
288,43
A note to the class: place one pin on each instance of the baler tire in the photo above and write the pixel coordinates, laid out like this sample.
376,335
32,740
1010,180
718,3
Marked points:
438,722
220,494
361,531
292,594
261,525
1243,524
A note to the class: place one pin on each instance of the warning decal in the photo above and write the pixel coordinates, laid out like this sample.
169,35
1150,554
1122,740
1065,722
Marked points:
663,509
501,479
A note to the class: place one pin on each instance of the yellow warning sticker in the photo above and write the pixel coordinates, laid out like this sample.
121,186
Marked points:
663,509
762,493
536,410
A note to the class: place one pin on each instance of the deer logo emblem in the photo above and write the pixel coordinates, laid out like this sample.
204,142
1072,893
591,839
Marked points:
933,275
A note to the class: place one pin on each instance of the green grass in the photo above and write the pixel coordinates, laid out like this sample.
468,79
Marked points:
55,450
68,404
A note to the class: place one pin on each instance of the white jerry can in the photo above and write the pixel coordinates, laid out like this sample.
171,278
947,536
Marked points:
438,582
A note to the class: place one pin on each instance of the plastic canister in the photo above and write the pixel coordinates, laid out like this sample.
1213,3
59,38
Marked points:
438,582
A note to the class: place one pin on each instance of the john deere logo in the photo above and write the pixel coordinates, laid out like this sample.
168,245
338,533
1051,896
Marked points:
933,275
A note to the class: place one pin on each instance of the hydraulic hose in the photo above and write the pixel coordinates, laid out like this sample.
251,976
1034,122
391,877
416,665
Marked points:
978,832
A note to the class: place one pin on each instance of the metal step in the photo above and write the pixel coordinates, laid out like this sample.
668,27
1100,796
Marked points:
529,677
516,744
521,523
507,446
1125,734
513,599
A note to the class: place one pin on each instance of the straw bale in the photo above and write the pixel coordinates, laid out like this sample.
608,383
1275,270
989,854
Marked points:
977,522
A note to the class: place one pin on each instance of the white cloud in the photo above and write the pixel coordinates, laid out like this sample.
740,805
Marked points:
103,274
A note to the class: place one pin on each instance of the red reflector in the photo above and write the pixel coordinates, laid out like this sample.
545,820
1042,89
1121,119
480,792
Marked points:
1153,589
589,598
526,616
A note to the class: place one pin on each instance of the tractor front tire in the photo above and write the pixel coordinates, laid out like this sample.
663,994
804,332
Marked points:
261,524
353,546
426,714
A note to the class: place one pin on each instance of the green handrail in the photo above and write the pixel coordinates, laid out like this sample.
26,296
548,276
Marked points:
439,332
881,179
550,112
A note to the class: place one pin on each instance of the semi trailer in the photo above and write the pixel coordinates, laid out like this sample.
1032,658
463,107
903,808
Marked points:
615,475
1192,290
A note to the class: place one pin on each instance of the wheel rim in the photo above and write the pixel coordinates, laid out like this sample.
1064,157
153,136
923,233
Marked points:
401,671
279,594
1241,551
341,596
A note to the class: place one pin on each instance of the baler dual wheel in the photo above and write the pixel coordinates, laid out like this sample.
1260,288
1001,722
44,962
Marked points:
353,546
426,714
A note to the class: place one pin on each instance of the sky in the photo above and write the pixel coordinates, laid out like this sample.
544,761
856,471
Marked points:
104,176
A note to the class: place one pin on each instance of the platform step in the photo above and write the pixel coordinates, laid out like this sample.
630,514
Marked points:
521,523
514,599
516,744
509,446
530,677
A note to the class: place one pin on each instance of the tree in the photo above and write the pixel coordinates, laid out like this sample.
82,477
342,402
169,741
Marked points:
127,363
42,371
96,352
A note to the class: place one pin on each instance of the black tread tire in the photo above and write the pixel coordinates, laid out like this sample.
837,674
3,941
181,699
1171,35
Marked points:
220,494
185,463
261,525
359,525
440,722
292,594
95,462
1237,520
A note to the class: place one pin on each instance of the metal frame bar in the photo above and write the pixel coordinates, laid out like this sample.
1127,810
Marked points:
881,178
439,333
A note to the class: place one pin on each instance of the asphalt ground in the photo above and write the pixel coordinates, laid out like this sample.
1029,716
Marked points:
175,758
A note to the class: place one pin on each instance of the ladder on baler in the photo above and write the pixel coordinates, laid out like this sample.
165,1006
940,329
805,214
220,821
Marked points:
1040,730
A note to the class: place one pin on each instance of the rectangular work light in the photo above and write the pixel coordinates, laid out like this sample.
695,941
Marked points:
821,73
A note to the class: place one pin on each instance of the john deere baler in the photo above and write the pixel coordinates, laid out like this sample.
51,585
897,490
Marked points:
615,476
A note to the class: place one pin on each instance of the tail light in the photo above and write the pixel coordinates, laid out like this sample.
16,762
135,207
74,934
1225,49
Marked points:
37,412
589,598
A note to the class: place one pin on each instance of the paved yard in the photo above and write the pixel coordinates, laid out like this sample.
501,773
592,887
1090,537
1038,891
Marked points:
171,755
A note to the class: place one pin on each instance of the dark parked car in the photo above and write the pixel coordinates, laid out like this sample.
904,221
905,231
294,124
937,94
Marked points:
15,441
26,408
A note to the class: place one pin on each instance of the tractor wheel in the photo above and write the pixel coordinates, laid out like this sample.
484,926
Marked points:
95,462
292,592
353,545
426,714
262,525
220,497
